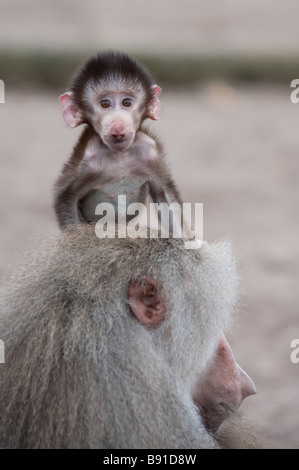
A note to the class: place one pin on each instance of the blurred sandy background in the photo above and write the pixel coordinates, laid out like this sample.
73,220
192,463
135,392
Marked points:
232,146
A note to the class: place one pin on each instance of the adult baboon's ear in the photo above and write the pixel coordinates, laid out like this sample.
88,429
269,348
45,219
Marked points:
145,300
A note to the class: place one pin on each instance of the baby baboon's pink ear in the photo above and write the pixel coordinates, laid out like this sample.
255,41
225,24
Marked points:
70,111
155,105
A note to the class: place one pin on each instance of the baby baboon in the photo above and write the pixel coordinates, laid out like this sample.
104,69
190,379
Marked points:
116,155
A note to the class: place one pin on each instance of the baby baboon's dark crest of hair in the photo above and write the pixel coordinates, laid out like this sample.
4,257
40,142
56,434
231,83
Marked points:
107,66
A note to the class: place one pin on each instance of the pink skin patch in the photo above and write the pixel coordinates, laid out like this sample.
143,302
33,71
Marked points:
224,387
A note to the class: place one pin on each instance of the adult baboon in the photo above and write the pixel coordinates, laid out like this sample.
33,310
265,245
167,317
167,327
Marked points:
114,343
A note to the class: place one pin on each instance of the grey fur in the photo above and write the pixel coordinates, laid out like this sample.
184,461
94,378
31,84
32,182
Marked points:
80,370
